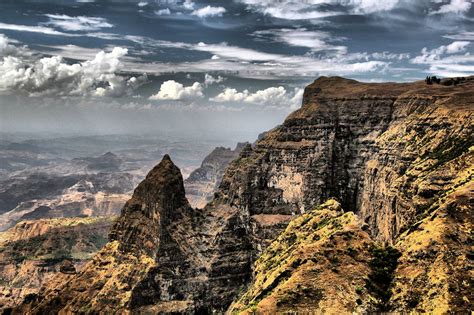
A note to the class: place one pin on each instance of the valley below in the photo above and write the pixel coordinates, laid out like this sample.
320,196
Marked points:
70,177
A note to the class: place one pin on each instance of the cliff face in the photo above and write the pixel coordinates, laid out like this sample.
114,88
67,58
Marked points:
398,157
203,182
325,261
409,176
378,148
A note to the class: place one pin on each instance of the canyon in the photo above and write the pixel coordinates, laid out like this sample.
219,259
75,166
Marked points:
361,201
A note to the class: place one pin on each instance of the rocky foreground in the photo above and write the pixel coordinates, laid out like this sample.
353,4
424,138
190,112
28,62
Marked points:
361,201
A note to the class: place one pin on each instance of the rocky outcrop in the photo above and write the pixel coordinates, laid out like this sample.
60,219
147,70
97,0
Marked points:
157,201
203,182
393,155
319,263
34,252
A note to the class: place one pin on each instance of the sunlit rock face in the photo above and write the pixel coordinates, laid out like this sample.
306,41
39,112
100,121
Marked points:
378,148
390,154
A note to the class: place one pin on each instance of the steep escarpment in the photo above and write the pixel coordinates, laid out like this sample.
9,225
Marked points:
410,180
33,252
375,147
396,157
325,261
204,181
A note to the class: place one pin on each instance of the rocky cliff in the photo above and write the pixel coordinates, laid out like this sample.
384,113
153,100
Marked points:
203,182
397,157
321,246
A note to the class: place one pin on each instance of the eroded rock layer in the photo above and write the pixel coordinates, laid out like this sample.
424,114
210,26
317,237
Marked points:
374,147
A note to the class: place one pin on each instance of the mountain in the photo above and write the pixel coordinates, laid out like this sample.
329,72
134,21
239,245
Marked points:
204,181
361,201
42,196
322,246
107,162
33,252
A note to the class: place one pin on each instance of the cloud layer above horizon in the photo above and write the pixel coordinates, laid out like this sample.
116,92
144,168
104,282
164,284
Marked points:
240,55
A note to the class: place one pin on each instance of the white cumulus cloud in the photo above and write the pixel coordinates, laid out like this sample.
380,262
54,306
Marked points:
454,6
175,91
163,12
209,11
451,60
429,56
7,48
370,6
51,76
188,5
210,80
272,96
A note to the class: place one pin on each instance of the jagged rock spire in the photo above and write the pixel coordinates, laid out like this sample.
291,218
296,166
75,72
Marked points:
152,205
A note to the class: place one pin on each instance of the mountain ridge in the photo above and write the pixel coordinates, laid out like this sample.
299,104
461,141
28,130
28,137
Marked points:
395,155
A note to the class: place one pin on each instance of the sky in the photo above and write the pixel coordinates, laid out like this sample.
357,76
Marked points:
229,69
